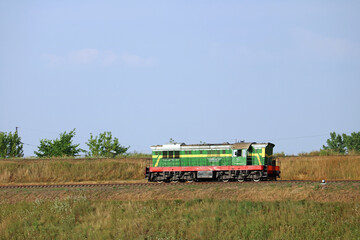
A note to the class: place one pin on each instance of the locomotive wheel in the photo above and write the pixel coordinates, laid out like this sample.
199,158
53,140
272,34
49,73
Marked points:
257,177
240,180
225,180
159,181
175,181
191,178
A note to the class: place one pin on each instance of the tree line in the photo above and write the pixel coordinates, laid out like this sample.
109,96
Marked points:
343,144
103,145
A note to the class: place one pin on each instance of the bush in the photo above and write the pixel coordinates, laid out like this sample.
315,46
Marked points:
59,147
105,145
281,154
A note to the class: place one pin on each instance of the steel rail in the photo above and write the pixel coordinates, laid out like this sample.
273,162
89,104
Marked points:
95,185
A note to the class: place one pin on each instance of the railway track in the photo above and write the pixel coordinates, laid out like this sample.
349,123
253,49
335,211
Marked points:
97,185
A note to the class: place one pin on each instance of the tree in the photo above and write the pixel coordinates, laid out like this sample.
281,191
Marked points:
59,147
352,142
105,146
10,145
343,143
335,143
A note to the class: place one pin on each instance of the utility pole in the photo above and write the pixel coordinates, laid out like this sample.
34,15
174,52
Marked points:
16,129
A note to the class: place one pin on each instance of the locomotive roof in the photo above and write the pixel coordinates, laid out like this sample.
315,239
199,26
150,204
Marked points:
226,145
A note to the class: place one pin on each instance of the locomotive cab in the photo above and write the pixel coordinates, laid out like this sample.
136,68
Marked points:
239,156
241,153
259,159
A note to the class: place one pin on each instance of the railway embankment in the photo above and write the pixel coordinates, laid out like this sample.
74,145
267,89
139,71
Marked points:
132,169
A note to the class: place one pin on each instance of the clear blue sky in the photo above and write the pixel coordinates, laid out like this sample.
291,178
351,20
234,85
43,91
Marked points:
210,71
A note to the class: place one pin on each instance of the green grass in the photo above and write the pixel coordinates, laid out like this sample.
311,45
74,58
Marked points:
80,218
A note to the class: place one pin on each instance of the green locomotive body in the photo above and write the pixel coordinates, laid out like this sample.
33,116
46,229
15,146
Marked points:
239,161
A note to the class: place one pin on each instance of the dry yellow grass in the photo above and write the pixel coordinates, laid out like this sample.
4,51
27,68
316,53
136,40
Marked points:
71,170
111,170
320,167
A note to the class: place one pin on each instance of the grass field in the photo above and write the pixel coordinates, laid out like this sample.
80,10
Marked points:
192,219
71,170
259,192
125,169
241,211
169,211
344,167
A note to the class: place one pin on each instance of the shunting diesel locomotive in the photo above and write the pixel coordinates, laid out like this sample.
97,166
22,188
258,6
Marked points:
244,161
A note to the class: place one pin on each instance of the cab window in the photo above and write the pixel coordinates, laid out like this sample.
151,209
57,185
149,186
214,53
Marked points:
238,153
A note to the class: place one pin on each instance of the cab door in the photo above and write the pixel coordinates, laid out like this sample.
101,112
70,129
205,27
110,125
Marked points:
239,157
